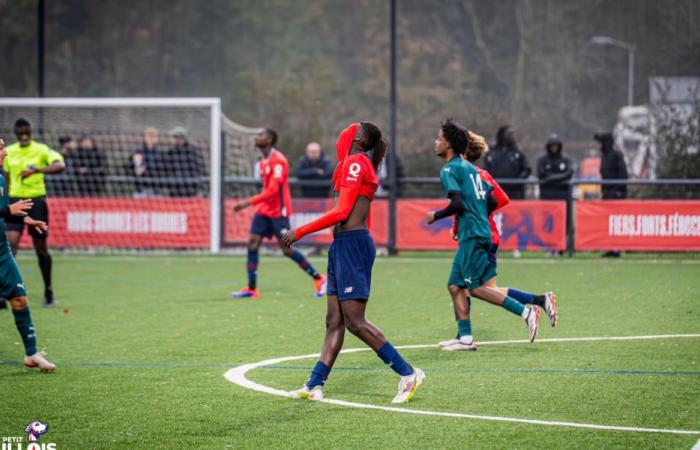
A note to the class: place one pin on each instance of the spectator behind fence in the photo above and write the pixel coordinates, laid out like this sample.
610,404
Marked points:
314,165
145,163
505,160
182,165
554,170
612,167
63,185
89,167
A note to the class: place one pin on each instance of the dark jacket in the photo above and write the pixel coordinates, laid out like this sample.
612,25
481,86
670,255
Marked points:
308,170
504,161
554,171
182,167
89,166
152,165
612,167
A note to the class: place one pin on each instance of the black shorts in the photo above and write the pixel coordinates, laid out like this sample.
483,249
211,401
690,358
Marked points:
269,226
39,211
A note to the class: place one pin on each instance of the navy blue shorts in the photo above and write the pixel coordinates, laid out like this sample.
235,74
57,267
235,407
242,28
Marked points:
493,250
350,260
269,226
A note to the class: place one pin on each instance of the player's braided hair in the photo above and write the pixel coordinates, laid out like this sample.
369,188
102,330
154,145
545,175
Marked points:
374,144
476,148
456,135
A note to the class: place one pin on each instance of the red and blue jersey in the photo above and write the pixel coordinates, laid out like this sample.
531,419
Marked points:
275,200
356,178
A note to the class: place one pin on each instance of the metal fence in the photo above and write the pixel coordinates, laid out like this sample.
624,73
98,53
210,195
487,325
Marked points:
429,187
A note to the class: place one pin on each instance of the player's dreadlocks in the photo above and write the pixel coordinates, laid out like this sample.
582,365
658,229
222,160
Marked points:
456,135
374,144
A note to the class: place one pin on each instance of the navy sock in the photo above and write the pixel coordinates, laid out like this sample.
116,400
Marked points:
23,320
319,375
304,263
252,266
523,297
393,358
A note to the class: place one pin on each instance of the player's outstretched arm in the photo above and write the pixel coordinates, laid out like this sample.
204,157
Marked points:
339,213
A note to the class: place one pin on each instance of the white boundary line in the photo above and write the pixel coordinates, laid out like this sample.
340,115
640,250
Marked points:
237,375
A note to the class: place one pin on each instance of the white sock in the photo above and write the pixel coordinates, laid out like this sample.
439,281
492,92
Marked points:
467,339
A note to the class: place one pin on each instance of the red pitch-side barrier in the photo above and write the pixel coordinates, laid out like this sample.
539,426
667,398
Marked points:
184,223
638,225
127,223
534,225
526,224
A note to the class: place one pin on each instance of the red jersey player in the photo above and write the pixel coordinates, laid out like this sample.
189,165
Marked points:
273,207
476,148
350,260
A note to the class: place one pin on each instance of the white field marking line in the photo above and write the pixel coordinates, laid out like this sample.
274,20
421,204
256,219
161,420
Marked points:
237,375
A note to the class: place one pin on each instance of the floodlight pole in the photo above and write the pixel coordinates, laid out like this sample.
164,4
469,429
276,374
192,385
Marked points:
392,160
40,61
606,40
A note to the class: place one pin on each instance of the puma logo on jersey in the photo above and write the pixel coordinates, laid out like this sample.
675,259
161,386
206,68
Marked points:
468,280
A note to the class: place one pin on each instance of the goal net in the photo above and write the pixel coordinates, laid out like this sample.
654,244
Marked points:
140,173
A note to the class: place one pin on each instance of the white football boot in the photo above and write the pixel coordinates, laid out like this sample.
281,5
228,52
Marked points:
533,321
408,386
307,394
38,360
550,306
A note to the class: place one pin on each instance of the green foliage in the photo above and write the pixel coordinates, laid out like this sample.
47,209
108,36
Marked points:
678,141
309,67
142,344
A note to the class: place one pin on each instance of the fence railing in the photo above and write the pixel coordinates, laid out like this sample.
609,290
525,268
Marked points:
570,197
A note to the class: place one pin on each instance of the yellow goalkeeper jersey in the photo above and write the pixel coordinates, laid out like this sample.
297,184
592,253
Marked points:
19,159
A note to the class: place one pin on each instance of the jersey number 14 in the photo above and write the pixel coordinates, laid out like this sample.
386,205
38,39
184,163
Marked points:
478,186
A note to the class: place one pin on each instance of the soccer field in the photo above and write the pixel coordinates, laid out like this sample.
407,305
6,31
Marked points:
143,344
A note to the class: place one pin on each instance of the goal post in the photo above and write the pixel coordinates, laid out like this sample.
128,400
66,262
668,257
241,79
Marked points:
116,127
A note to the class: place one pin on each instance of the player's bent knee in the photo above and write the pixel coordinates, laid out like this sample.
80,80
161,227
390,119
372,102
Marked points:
354,326
454,289
334,322
19,302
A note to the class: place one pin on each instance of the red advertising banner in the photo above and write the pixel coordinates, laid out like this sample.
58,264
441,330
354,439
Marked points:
184,223
304,211
127,223
524,224
638,225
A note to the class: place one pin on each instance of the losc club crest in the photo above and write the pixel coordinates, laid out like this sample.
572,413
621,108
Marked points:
35,430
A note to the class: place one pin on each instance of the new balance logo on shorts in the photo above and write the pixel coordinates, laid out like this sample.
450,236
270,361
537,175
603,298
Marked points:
348,290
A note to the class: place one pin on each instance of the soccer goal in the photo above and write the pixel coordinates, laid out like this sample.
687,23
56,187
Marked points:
141,173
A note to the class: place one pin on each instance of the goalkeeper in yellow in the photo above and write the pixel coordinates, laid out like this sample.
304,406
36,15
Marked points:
11,283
